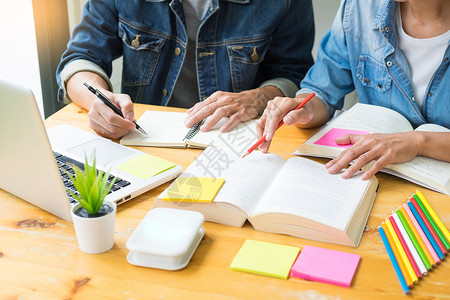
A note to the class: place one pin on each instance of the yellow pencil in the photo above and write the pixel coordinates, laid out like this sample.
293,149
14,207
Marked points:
400,261
434,215
403,256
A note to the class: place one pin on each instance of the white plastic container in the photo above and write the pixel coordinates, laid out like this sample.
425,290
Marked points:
166,239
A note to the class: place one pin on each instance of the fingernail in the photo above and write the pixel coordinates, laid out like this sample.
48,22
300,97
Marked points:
328,164
345,174
332,169
268,137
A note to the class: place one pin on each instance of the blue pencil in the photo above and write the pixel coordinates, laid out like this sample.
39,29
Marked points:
393,260
426,231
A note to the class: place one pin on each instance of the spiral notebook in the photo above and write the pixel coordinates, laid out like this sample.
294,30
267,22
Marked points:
167,129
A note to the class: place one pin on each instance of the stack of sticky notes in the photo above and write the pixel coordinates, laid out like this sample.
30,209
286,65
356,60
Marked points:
194,189
313,263
415,239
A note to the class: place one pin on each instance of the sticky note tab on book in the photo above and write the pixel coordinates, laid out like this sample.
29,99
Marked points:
145,166
194,189
265,259
328,139
330,266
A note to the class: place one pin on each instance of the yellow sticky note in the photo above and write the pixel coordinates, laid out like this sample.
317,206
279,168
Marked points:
194,189
145,166
265,259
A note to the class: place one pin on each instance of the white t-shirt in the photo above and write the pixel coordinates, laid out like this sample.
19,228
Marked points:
424,57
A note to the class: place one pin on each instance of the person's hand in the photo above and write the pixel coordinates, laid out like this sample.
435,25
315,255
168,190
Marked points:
240,107
383,149
105,122
280,109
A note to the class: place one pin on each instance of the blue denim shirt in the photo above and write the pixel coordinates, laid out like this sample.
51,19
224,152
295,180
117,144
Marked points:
360,52
240,44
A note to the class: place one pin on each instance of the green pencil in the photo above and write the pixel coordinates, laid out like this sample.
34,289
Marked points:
432,222
413,238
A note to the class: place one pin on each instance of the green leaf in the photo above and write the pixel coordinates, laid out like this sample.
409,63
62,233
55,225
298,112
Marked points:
92,186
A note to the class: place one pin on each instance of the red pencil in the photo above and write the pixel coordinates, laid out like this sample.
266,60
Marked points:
428,225
405,247
261,140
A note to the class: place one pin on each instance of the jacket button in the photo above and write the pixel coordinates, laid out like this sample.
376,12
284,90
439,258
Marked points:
177,51
255,55
389,63
366,80
135,43
164,92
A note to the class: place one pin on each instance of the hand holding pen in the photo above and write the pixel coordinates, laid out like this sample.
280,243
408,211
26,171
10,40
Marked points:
265,138
106,101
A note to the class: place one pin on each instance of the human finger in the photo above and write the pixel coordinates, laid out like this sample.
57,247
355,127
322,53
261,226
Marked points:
212,120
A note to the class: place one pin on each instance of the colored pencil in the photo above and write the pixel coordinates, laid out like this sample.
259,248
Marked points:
422,235
402,253
417,241
434,215
399,259
406,248
415,258
428,225
393,261
426,230
433,225
263,139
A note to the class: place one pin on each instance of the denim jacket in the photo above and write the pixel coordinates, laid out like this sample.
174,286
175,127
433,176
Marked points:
360,52
240,44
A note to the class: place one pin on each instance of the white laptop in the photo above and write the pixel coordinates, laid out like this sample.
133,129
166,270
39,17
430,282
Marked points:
28,168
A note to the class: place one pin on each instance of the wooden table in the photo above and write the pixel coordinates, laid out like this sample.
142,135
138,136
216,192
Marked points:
40,258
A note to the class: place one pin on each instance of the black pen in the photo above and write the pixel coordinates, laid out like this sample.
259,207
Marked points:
105,100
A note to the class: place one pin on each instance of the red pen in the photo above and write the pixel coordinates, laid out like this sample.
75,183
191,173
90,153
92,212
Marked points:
261,140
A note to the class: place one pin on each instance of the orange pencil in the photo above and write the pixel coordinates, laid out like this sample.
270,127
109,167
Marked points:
263,139
401,262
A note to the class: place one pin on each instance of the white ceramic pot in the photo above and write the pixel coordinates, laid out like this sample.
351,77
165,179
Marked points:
95,235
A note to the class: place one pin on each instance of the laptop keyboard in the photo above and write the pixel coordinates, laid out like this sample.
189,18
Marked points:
65,165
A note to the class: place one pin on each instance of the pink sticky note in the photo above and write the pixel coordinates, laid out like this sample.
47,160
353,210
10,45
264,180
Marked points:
330,266
328,139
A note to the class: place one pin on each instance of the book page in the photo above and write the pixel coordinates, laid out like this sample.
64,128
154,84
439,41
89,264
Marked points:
245,179
432,128
304,188
164,129
239,139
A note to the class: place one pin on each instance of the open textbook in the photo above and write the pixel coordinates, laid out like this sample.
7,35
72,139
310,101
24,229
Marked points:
296,197
425,171
167,129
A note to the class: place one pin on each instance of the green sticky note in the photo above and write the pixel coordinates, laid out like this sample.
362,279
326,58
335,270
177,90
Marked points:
265,259
145,166
194,189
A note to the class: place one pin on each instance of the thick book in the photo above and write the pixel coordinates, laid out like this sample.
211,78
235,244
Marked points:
428,172
167,129
296,197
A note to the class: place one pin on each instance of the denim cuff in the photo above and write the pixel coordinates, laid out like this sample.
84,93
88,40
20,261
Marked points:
283,84
76,66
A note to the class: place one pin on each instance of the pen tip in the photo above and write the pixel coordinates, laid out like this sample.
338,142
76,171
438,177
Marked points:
245,155
86,85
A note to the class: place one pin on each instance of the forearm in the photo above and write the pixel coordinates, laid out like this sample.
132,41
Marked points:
433,144
81,95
